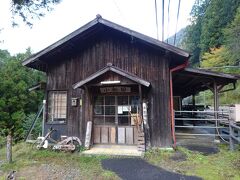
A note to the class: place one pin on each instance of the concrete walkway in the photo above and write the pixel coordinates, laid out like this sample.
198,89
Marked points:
114,150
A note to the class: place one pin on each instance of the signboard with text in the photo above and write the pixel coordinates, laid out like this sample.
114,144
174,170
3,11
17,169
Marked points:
117,89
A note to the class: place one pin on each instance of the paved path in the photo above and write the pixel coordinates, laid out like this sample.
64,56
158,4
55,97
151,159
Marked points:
136,168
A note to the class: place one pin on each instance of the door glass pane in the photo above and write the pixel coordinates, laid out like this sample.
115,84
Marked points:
109,110
122,100
98,110
134,102
134,109
109,100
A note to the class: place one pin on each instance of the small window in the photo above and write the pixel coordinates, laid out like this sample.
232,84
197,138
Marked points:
57,106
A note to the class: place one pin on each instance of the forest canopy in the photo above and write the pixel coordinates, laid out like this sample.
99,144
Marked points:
214,31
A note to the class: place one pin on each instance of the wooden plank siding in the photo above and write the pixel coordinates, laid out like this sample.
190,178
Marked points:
143,61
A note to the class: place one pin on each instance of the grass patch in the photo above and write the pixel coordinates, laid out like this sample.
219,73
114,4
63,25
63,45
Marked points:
25,156
221,166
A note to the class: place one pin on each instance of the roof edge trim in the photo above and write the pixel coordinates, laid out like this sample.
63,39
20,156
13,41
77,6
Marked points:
113,69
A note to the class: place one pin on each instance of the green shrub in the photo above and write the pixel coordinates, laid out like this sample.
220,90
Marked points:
2,141
27,124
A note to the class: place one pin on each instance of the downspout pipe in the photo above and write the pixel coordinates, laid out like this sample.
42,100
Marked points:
177,68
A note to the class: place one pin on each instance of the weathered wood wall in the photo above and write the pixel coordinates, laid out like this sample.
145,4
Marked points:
130,56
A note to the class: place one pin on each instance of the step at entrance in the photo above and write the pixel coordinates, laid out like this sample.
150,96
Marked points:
141,141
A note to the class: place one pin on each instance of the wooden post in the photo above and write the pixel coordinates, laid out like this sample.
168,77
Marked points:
88,134
194,109
216,104
216,107
9,148
173,129
146,126
231,143
140,101
44,115
194,102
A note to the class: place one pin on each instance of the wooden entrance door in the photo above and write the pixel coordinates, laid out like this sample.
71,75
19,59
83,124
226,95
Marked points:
113,118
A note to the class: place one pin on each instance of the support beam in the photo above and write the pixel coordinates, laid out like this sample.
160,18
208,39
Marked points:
216,108
230,89
193,101
216,101
141,100
44,117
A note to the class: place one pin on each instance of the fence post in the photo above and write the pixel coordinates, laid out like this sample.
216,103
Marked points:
238,134
43,116
174,122
231,143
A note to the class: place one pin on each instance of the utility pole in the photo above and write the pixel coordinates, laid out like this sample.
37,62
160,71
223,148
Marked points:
162,20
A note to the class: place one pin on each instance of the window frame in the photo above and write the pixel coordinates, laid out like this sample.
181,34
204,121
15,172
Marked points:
116,115
57,120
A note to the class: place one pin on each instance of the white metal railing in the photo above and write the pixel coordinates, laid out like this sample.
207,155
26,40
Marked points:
211,121
202,120
234,134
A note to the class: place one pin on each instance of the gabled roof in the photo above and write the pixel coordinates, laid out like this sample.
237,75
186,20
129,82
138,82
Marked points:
116,70
100,21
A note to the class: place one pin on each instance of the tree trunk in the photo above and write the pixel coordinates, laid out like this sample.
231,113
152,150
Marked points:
9,148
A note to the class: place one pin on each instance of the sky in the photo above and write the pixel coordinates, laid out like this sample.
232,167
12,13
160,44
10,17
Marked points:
69,15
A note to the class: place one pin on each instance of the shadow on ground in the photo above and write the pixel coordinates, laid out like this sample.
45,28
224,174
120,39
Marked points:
202,144
136,168
204,149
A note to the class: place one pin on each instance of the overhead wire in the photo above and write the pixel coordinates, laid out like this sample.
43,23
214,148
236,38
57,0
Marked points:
179,4
162,20
156,16
168,20
120,12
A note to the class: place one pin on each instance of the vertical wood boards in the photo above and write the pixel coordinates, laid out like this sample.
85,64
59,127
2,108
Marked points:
104,135
121,135
129,135
96,135
112,135
144,62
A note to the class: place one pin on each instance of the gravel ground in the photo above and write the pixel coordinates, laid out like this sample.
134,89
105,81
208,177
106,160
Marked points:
135,168
49,172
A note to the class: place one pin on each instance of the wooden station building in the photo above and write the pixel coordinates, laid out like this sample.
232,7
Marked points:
120,80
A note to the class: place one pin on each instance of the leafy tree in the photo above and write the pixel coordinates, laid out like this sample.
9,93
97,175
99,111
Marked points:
215,58
27,122
191,41
27,10
208,19
4,55
232,39
217,16
15,100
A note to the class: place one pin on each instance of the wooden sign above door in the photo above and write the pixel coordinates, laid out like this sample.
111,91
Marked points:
115,89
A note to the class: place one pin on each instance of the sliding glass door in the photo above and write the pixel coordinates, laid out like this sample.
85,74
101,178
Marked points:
114,119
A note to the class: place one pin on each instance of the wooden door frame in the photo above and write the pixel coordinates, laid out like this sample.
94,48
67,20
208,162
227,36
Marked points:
116,124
